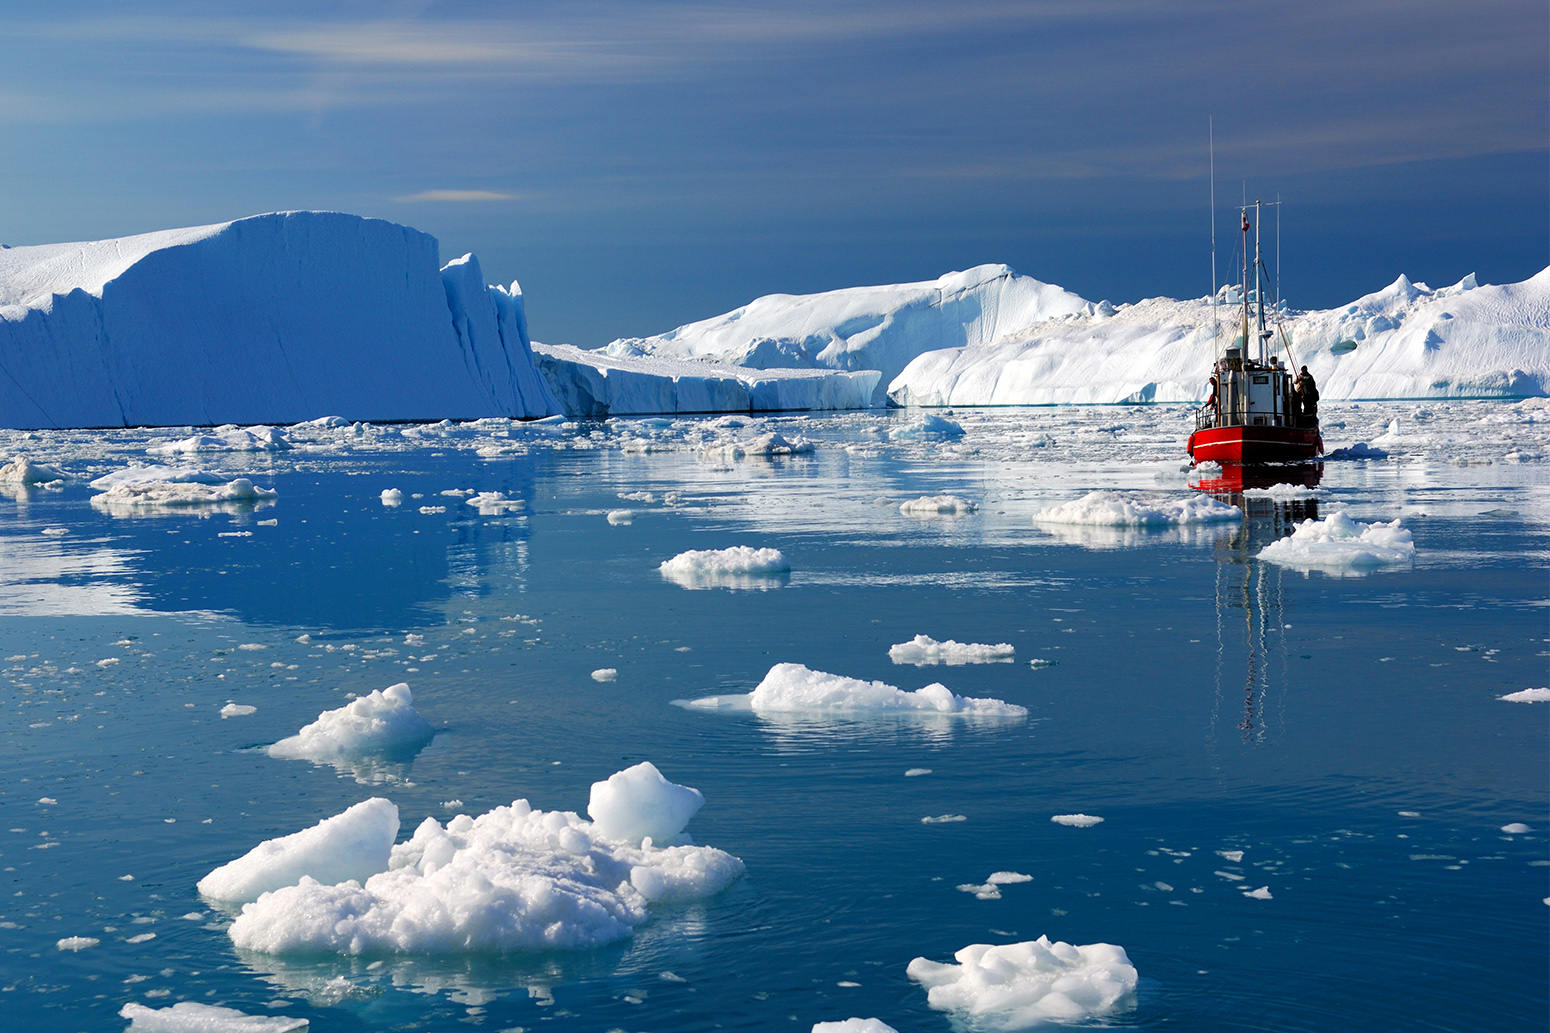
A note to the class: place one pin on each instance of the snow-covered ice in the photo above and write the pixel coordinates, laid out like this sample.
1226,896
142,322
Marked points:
1079,821
937,505
605,674
155,496
1134,509
76,943
854,1025
193,1017
237,710
354,844
1337,542
1517,828
741,566
23,471
923,649
226,439
494,503
141,474
1018,986
392,497
638,804
793,688
383,722
1541,695
990,889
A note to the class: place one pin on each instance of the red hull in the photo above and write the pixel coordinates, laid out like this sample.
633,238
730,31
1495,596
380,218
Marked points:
1238,445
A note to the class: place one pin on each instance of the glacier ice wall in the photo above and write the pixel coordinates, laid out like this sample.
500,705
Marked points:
270,319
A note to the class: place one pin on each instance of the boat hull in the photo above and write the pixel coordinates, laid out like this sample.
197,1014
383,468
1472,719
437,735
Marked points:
1239,445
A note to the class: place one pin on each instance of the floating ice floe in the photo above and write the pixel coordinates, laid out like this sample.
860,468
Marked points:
793,688
1527,696
494,503
741,566
943,819
1337,542
929,427
354,844
1281,492
22,471
512,879
1360,450
771,444
76,943
226,439
605,674
1077,821
618,517
990,889
383,723
937,505
1019,986
923,650
193,1017
160,496
1128,509
854,1026
141,474
1517,828
392,497
237,710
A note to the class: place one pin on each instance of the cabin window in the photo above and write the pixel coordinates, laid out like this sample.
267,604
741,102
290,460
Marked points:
1265,379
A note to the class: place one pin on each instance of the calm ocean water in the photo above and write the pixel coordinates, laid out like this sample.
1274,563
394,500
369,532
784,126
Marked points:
1344,733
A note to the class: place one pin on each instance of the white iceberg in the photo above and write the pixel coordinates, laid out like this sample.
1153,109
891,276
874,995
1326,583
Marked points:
937,505
1077,821
1133,509
922,650
1019,986
23,471
352,845
771,444
793,688
383,723
157,496
1527,696
226,439
637,804
494,503
193,1017
1339,543
854,1026
140,474
741,566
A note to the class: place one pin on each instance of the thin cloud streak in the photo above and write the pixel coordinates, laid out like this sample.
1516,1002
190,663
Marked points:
456,196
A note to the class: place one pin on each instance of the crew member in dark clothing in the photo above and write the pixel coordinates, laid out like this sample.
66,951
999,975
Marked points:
1308,396
1211,401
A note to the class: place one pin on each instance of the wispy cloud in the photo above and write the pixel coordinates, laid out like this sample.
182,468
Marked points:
456,195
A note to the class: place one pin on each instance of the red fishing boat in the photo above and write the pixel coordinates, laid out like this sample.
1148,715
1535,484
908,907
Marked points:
1254,414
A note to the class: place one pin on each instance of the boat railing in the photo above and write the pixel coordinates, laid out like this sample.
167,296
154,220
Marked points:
1205,416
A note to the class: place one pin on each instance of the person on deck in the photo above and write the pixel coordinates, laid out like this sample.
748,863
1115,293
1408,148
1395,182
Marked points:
1211,401
1308,395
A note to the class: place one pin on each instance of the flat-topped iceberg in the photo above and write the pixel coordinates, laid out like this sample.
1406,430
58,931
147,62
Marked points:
1129,509
923,649
132,496
793,688
1017,986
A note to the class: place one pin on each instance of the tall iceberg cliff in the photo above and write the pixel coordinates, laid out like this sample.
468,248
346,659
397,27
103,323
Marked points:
274,318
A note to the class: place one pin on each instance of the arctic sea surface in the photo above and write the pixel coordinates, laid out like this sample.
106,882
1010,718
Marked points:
1317,811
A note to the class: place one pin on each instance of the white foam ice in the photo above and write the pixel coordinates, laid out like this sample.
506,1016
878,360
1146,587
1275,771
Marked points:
854,1025
354,844
1339,543
237,710
76,943
937,505
392,497
384,722
922,650
638,804
142,474
1281,492
1078,821
226,439
512,879
1017,986
22,471
193,1017
793,688
1135,509
605,674
160,496
741,566
494,503
990,889
620,517
1517,828
1527,696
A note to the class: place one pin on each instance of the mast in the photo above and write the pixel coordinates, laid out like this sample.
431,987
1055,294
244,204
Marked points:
1216,328
1259,285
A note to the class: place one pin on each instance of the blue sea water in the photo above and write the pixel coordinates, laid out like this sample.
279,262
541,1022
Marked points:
1343,732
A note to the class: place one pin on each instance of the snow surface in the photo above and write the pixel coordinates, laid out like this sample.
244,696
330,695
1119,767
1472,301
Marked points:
863,328
159,475
352,845
1338,542
193,1017
511,879
1405,341
1019,986
793,688
922,650
637,804
854,1026
1130,509
937,505
596,383
275,317
384,722
741,566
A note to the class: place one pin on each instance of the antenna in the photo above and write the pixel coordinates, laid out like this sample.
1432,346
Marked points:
1215,322
1278,247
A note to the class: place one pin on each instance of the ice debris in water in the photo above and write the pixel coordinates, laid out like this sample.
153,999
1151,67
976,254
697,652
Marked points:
991,888
1337,541
494,503
617,517
237,710
1263,893
193,1017
227,439
1360,450
928,426
384,722
1527,696
1517,828
22,470
354,844
637,804
152,495
922,650
937,505
76,943
737,567
605,674
392,497
772,444
943,819
1131,509
1017,986
513,878
1077,821
854,1026
793,688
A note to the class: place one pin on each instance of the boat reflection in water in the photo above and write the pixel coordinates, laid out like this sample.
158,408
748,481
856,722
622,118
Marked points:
1249,593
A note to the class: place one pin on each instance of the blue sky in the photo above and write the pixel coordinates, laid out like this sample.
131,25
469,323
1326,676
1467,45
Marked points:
641,164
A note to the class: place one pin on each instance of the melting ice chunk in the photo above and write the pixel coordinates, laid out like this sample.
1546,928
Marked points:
923,649
1134,509
384,722
1017,986
193,1017
738,567
638,803
793,688
854,1026
1337,542
351,845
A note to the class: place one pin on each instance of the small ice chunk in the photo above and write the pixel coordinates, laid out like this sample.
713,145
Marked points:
923,650
429,510
1527,696
451,805
193,1017
638,803
618,517
937,505
1517,828
1077,821
854,1026
49,801
24,471
354,844
927,427
76,943
916,772
605,674
237,710
1263,893
227,439
1337,541
943,819
55,532
380,723
142,938
392,497
1232,856
494,503
723,567
154,495
1135,509
793,688
1016,986
110,661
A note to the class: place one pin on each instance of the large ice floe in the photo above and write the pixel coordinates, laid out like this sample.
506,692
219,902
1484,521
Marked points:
511,879
854,1026
275,317
1017,986
923,649
794,689
364,737
1128,509
741,566
1338,543
193,1017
